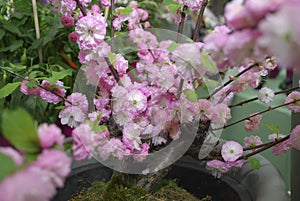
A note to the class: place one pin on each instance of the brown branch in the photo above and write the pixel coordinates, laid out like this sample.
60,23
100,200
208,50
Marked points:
253,115
181,24
256,98
269,145
39,85
196,37
82,9
112,69
231,80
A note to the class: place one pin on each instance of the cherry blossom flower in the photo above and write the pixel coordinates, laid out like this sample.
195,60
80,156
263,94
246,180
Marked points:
142,154
49,135
282,147
221,114
231,151
276,136
121,65
237,16
9,151
57,163
52,93
294,96
91,30
71,116
252,141
193,4
37,181
205,109
188,62
83,144
73,36
283,43
252,123
29,91
217,168
265,95
67,20
295,138
79,100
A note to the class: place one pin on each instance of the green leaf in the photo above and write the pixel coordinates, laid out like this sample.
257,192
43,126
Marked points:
125,11
19,129
191,95
2,33
255,164
272,127
168,2
59,75
172,47
8,89
208,62
7,166
112,58
174,7
11,27
32,83
15,45
187,12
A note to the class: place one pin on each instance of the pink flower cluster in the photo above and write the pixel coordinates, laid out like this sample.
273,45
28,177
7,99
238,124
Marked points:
51,93
231,153
40,179
134,18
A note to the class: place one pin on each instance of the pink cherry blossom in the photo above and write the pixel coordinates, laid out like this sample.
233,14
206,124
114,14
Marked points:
83,145
295,137
31,183
283,43
294,96
29,91
72,116
282,147
276,136
52,93
193,4
215,43
221,114
67,20
217,168
237,16
188,62
49,135
17,158
252,123
57,163
79,100
73,36
231,151
252,141
143,153
265,95
121,65
205,109
91,30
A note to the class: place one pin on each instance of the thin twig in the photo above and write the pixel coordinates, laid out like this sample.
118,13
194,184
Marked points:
256,98
37,29
82,9
39,85
112,30
259,113
231,80
181,24
196,37
269,145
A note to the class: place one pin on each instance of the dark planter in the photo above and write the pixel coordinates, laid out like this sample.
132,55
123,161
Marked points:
265,184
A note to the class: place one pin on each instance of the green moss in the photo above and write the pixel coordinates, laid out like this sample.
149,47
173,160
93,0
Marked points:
122,188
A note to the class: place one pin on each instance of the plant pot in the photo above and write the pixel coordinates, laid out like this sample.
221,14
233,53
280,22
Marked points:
265,184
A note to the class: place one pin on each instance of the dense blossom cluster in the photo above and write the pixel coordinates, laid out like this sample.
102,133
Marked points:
40,179
150,103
